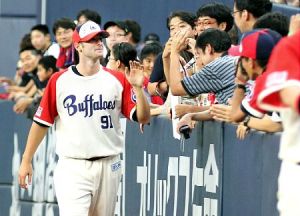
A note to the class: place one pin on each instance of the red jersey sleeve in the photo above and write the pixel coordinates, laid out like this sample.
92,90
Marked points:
47,110
283,70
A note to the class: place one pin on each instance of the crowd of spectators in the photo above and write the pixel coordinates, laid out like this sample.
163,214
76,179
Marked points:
193,64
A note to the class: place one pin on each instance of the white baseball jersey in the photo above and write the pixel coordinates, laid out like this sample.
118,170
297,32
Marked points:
87,112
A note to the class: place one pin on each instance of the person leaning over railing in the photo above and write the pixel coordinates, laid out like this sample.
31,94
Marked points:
216,76
254,51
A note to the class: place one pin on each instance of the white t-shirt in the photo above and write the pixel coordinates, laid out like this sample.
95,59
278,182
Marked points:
52,50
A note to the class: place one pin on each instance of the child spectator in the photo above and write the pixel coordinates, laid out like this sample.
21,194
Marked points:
147,57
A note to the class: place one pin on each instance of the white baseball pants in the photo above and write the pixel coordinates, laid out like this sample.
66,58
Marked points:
87,188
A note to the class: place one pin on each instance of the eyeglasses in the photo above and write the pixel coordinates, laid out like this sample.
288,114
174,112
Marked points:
205,22
234,12
116,35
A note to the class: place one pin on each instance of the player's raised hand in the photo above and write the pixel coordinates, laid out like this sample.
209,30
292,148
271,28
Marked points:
25,172
135,75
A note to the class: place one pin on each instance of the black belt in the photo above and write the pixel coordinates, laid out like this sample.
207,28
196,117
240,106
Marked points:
96,158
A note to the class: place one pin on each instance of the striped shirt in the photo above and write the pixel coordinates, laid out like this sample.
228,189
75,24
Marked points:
217,77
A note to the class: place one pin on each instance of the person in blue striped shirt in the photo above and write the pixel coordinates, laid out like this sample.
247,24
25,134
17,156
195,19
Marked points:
217,75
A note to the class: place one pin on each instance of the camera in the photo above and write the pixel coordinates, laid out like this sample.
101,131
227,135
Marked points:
185,131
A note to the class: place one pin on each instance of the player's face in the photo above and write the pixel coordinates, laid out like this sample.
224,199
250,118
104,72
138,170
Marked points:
93,48
64,37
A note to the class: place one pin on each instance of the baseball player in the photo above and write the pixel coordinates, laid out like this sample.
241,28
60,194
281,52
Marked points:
86,101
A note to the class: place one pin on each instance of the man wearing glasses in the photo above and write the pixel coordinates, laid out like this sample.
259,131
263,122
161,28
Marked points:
213,15
246,12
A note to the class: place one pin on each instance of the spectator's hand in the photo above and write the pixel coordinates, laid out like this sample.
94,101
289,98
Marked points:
21,105
40,92
135,76
181,110
221,112
185,120
241,131
25,171
191,43
179,41
13,88
294,24
6,80
167,49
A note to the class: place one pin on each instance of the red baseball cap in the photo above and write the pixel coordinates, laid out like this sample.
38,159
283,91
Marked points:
87,31
256,44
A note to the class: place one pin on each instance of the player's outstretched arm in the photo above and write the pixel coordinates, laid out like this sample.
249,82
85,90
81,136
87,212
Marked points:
136,78
36,135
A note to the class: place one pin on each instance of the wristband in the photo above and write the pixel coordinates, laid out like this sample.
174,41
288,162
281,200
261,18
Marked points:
246,121
157,89
157,92
241,86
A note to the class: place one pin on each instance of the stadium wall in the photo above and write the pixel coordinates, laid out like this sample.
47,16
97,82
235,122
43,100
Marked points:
213,173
